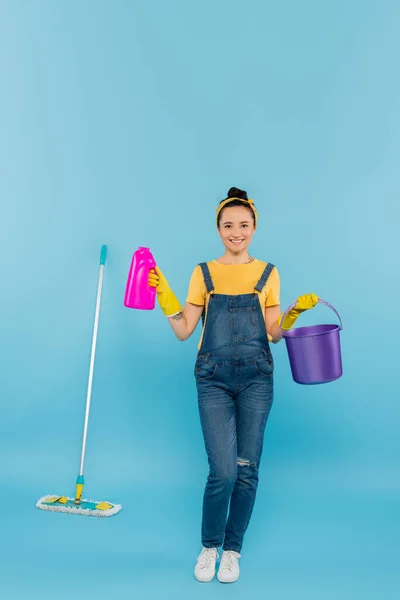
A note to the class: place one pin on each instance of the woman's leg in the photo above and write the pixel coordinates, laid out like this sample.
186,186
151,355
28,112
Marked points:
218,422
253,405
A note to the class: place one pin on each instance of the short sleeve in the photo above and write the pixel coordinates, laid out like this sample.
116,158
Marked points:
197,288
273,288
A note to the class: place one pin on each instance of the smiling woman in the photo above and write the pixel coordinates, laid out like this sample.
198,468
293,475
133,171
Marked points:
238,296
236,271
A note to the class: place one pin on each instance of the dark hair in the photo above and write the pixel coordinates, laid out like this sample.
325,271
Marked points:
236,193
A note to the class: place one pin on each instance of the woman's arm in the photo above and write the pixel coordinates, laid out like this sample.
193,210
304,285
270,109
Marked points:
182,320
272,314
185,322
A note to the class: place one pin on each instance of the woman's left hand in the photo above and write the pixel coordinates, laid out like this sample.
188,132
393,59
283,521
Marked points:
304,302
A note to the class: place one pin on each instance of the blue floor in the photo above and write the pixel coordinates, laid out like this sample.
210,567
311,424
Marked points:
309,542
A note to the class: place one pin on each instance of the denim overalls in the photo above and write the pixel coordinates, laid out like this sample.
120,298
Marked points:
234,379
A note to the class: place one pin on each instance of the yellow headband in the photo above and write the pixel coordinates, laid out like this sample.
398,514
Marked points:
249,202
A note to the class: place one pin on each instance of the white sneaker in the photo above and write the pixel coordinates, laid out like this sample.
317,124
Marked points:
229,567
205,567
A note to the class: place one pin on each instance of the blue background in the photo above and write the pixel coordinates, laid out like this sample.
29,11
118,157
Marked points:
125,123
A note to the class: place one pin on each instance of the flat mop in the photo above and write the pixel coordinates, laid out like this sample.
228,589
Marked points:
77,505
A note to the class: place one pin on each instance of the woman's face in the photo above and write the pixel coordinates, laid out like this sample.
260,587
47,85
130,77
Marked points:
236,228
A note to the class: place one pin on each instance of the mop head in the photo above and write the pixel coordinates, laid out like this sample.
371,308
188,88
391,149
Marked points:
86,507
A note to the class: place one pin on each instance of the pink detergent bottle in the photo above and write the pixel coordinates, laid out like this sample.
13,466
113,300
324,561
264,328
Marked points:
138,293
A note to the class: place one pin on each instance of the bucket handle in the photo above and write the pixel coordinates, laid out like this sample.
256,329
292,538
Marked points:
321,302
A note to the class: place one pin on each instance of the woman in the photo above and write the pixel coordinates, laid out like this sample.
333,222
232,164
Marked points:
238,297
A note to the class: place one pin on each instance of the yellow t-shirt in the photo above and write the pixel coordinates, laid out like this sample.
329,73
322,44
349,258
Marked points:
233,280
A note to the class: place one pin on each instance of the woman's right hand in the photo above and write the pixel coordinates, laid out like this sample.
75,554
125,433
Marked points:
168,301
154,279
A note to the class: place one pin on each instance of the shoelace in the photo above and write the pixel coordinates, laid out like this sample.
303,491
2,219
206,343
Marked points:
206,558
229,560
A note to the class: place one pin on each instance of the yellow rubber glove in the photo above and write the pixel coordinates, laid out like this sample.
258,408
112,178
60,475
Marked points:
303,303
166,297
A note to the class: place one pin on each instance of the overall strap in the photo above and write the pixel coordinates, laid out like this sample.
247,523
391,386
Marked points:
209,285
207,277
264,277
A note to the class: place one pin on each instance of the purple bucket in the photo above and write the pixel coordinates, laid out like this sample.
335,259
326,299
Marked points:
314,352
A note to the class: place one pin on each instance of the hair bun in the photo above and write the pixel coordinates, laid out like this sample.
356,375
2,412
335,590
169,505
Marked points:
237,193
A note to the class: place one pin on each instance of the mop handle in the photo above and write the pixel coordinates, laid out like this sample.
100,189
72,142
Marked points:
93,354
321,302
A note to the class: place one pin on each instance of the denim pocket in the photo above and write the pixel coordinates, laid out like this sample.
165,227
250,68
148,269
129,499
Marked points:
204,368
243,323
265,365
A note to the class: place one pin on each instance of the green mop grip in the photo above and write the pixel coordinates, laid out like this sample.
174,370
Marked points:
79,489
103,255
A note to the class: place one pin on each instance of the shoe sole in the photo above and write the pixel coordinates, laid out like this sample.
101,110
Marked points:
229,581
204,580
